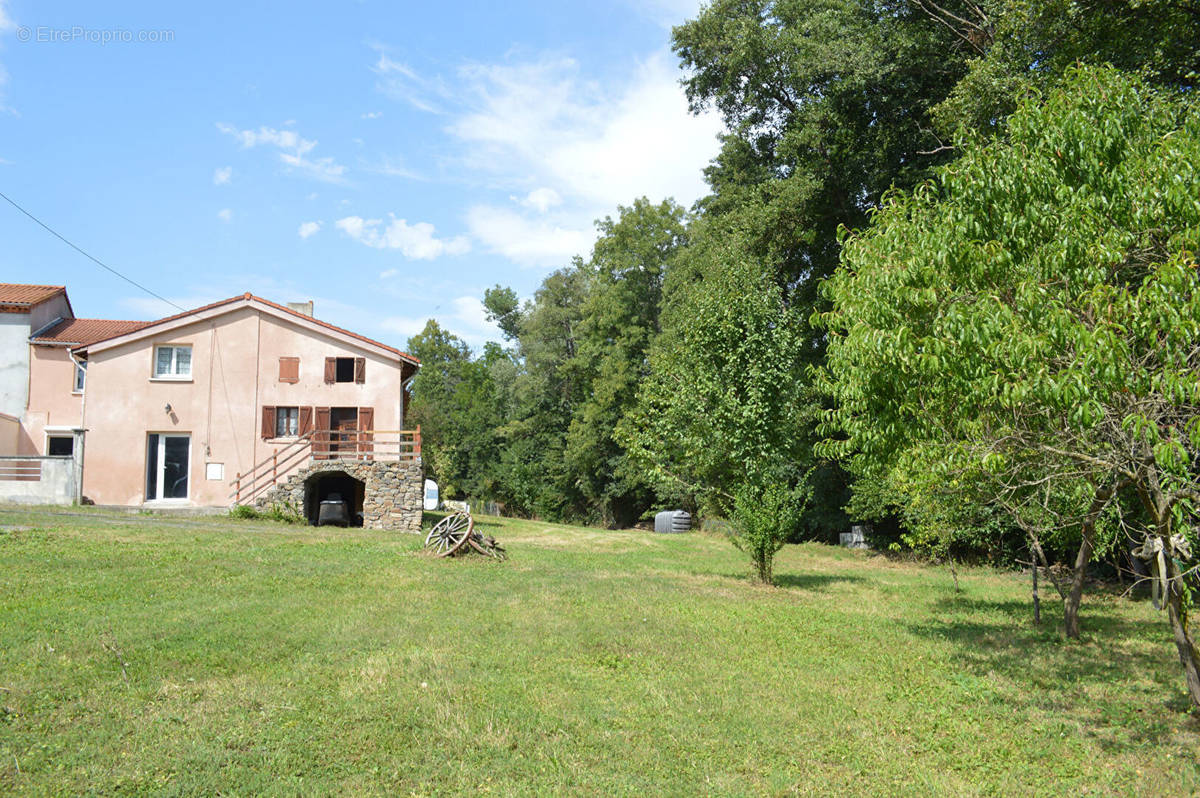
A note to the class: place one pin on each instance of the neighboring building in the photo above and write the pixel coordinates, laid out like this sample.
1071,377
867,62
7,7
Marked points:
24,311
213,406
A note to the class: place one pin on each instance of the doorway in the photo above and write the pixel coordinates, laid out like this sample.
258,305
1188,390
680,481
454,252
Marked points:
343,438
167,458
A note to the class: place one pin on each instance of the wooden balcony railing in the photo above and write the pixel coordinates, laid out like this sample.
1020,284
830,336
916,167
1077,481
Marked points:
392,446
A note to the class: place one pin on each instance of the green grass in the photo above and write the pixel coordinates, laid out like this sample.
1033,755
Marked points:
143,654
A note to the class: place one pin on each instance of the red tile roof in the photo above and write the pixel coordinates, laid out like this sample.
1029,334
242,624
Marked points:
275,305
17,298
81,332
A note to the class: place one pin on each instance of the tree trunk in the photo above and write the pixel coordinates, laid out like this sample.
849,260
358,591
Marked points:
1189,657
1037,601
1075,595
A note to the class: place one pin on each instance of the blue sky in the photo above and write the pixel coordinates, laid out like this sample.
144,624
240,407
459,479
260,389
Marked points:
389,161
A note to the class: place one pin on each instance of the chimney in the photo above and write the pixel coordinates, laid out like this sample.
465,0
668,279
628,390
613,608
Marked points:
302,307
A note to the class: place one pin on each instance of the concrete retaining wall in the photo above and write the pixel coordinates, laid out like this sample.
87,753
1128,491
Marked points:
54,485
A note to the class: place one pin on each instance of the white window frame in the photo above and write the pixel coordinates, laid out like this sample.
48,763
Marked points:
64,435
160,469
174,373
295,418
80,379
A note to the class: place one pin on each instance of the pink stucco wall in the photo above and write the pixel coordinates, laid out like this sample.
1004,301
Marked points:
235,373
51,400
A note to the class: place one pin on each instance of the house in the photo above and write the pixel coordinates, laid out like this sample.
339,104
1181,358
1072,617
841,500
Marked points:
240,401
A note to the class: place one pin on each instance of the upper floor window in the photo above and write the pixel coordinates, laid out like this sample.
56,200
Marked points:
80,374
346,369
173,362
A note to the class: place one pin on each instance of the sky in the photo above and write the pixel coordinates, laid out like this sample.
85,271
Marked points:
388,160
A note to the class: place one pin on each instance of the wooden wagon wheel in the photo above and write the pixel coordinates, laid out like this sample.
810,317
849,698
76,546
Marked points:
450,534
487,545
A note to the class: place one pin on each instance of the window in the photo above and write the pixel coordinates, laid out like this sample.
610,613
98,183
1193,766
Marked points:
172,362
60,445
289,369
287,421
346,369
80,374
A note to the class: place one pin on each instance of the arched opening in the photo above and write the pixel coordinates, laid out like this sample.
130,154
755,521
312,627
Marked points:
333,487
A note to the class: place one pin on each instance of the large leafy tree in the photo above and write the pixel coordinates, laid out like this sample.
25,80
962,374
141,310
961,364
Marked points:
1019,46
455,401
620,320
1027,325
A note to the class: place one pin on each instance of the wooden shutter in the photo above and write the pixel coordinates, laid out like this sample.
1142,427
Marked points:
305,423
268,422
289,369
321,435
360,370
366,423
330,373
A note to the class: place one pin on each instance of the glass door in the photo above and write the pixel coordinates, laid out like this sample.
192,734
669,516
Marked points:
167,459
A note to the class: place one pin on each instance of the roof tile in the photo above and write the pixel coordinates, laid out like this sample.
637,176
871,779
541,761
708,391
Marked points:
81,332
17,297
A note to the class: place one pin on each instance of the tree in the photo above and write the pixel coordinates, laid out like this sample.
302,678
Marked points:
725,412
1027,325
1020,46
455,401
619,322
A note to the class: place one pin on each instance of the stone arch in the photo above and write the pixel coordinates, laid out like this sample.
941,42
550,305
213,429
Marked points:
327,483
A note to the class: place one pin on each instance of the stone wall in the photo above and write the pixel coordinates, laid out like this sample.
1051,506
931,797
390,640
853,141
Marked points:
393,492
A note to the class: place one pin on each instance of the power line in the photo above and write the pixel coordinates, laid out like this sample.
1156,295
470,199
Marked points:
92,258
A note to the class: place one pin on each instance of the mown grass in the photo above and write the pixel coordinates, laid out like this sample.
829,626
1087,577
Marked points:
200,656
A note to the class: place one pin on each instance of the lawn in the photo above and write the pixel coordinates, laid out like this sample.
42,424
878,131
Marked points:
150,654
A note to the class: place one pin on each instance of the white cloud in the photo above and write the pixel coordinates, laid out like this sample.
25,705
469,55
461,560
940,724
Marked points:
308,228
293,151
416,241
464,316
401,82
390,168
6,22
372,115
543,119
225,215
529,242
543,199
222,175
569,150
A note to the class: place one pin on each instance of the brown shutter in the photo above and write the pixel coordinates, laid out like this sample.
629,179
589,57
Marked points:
306,425
366,423
268,422
289,369
360,370
321,434
330,369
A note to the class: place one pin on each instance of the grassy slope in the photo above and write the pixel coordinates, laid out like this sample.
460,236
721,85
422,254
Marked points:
265,658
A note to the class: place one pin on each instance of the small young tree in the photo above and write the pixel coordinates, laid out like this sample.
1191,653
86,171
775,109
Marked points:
764,514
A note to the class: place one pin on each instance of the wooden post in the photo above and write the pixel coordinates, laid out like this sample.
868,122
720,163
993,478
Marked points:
238,494
274,466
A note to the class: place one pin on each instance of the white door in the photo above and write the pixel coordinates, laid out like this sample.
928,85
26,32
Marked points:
167,458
